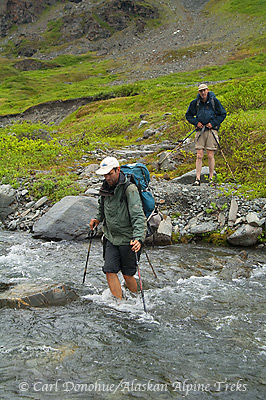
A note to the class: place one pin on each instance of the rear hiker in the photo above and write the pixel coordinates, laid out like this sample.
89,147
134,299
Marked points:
206,113
124,226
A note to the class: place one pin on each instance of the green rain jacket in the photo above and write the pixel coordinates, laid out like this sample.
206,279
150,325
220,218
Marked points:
121,212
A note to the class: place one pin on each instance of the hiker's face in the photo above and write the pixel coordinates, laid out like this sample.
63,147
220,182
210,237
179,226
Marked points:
112,177
204,94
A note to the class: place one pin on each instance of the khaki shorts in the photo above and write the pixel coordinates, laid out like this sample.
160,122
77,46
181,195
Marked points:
206,140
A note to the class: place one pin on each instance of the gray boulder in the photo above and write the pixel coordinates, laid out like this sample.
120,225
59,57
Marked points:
190,176
245,235
142,123
89,170
27,295
7,197
148,132
165,162
68,219
232,212
163,235
165,227
253,219
203,227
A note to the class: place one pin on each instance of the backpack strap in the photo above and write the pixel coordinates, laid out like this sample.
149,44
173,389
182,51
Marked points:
102,206
122,198
123,194
197,105
212,104
144,177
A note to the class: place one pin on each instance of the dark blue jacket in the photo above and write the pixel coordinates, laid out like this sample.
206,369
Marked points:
211,111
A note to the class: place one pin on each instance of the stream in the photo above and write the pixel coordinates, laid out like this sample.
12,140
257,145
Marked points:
203,336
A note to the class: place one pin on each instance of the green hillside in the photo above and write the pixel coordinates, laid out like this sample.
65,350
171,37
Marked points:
111,123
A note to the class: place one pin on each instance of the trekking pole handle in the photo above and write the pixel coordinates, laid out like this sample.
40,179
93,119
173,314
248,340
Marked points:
135,244
92,232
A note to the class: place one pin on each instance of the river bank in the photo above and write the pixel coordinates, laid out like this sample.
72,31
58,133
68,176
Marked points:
213,213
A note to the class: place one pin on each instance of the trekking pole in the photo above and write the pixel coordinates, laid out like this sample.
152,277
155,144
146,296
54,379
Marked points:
140,284
223,155
150,263
176,148
92,233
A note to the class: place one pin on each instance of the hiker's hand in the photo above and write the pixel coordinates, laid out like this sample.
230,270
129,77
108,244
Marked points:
94,223
209,125
200,125
136,245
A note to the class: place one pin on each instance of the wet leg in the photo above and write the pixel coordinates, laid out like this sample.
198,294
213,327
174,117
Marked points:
114,284
131,283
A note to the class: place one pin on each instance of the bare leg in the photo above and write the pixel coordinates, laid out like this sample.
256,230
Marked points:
211,162
114,284
131,283
200,153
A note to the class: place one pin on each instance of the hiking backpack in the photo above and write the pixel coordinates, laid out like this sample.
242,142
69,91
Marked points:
212,101
139,175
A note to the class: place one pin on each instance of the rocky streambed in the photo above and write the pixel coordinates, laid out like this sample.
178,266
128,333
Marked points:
190,213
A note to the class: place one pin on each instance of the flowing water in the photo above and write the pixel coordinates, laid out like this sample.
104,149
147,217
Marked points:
203,337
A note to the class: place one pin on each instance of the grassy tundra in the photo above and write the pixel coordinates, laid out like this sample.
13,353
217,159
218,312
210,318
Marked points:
112,120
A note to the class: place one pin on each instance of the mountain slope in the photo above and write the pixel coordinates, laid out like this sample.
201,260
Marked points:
148,38
177,36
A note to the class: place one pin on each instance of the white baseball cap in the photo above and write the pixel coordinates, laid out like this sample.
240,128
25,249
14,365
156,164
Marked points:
202,86
107,164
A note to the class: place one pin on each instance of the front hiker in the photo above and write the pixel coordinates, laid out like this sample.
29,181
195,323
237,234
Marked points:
206,113
124,226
